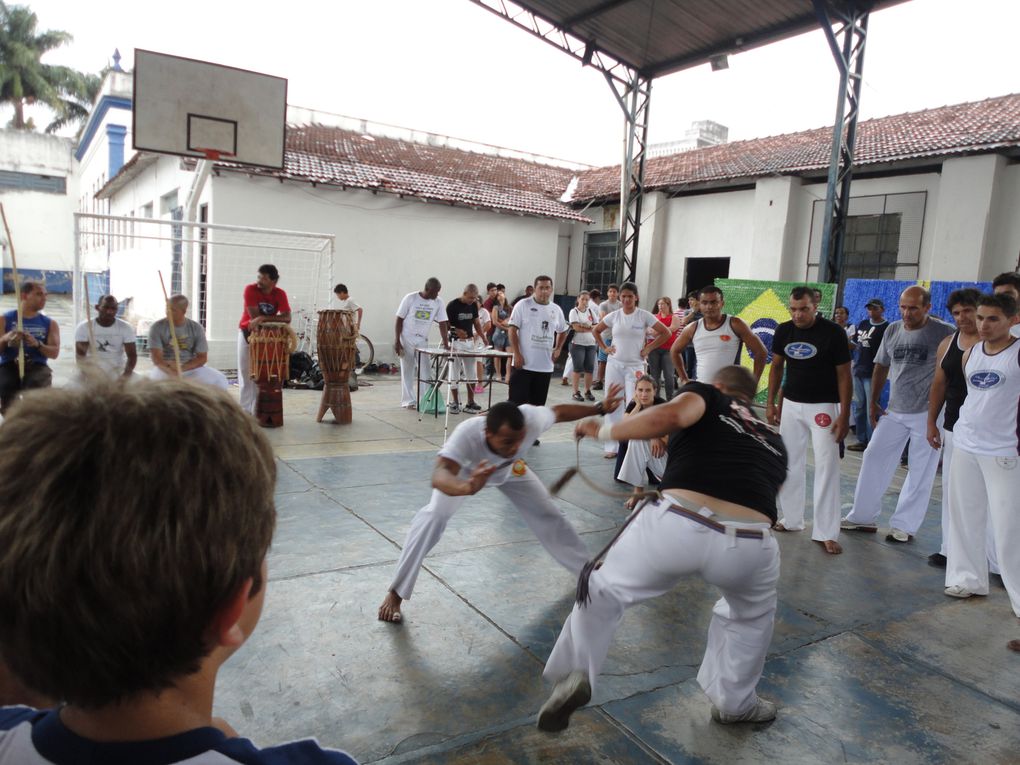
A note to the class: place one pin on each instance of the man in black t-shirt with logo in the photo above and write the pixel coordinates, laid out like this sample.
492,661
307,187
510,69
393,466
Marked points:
706,524
816,408
462,313
867,338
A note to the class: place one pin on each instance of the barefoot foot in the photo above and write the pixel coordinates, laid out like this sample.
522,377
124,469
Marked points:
389,611
831,546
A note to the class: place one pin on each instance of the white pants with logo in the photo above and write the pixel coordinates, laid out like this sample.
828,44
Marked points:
625,375
637,459
653,554
984,491
800,424
408,371
204,375
527,493
947,464
881,459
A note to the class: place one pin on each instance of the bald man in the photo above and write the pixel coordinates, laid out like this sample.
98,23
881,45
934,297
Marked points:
907,357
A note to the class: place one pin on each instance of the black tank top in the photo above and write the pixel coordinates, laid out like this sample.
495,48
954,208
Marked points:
956,381
729,454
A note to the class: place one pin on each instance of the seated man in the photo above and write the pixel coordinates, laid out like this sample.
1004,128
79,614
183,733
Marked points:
194,348
115,350
707,524
40,336
130,573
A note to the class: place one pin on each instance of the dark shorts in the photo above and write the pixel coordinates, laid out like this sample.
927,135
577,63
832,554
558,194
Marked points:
583,357
527,387
36,376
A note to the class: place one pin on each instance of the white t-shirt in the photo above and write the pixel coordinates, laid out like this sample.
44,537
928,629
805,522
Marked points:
467,446
347,304
537,326
588,317
418,314
110,342
629,334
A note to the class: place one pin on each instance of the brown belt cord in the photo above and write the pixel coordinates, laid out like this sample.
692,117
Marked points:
582,596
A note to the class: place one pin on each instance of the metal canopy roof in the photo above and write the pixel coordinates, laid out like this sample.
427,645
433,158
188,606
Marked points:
657,37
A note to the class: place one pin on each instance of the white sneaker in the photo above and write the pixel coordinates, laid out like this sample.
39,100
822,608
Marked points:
897,535
572,692
454,408
956,591
851,526
763,711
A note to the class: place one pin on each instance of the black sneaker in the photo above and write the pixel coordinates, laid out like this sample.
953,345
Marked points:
472,407
597,386
588,396
937,560
577,397
572,692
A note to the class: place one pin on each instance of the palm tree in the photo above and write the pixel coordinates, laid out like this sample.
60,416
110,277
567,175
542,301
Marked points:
77,95
24,79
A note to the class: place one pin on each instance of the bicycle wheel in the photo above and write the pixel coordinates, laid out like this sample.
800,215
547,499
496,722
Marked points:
365,353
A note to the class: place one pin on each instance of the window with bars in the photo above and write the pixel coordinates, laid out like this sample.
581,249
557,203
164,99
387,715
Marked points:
601,265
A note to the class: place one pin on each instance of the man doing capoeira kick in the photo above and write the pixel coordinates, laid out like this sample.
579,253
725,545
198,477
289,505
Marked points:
490,451
719,489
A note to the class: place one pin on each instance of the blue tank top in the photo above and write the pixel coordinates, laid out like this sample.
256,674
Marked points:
38,327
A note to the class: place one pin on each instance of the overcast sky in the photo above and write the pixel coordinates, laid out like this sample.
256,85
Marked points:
451,67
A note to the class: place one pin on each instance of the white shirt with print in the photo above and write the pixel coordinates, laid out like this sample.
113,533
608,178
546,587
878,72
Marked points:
110,342
418,314
537,326
467,446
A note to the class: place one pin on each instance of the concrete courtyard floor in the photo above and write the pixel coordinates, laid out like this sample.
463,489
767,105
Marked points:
870,662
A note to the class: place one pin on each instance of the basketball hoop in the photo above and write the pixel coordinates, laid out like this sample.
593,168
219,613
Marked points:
215,154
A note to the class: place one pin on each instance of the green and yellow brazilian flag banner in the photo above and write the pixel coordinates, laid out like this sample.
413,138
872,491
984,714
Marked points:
763,307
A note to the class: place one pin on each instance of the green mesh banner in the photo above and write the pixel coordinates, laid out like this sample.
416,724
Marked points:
763,307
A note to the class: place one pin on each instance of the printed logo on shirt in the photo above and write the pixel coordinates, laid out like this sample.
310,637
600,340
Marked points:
801,351
267,309
423,313
823,420
520,468
985,379
725,338
911,354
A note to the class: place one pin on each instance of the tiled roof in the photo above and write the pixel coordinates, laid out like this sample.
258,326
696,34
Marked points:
339,157
979,126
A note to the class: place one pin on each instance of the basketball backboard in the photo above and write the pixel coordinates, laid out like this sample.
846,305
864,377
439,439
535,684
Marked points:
208,111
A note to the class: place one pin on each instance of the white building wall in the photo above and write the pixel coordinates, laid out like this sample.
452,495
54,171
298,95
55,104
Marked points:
707,226
385,247
1003,251
41,222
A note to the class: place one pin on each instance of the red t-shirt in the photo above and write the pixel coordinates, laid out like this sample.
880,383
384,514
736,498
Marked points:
665,320
268,305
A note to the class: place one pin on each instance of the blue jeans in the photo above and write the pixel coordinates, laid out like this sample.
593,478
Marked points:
862,400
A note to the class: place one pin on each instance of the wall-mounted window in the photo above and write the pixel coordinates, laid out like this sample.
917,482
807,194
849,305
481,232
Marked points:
601,264
168,203
12,180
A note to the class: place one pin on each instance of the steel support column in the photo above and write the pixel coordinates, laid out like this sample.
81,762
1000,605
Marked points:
633,92
634,98
847,44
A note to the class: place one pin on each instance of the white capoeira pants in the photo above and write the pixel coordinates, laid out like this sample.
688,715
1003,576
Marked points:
799,425
249,390
984,491
204,375
636,460
408,371
651,556
625,375
947,465
882,457
527,493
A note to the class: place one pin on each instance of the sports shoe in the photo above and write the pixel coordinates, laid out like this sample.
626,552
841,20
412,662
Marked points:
597,386
572,692
577,397
453,408
897,535
564,381
588,395
956,591
763,711
858,447
472,407
851,526
938,560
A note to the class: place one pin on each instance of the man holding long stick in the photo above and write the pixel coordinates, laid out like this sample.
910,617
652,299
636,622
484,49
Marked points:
40,338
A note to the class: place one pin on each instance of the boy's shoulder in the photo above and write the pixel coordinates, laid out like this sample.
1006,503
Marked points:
37,737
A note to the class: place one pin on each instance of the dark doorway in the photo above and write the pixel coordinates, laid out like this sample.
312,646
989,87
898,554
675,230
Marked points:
701,272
